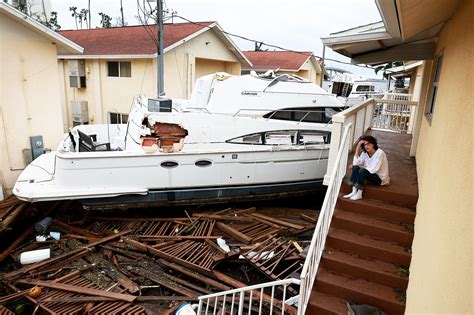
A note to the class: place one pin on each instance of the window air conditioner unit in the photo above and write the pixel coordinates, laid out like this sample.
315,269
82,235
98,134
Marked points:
80,113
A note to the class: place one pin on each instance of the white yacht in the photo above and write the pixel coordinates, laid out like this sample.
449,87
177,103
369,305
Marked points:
351,89
284,97
163,157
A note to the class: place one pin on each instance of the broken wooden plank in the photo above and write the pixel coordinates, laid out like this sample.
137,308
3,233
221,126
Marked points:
82,290
308,218
194,275
143,298
222,217
234,233
278,221
166,283
75,229
77,251
174,238
6,221
16,243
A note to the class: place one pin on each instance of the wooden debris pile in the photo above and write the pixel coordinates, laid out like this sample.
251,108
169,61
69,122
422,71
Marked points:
135,265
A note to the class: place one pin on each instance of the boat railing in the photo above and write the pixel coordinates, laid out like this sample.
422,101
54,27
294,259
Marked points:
263,298
394,112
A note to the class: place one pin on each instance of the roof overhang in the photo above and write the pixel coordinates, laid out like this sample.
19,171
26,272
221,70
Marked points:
408,31
63,44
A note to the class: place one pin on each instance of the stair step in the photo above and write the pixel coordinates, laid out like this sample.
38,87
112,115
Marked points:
378,209
382,193
359,291
323,304
373,227
368,247
371,270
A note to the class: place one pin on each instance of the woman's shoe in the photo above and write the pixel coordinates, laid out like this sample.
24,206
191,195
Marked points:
354,191
357,196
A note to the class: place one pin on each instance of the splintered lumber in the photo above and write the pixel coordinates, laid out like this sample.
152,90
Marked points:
82,290
308,218
194,275
279,222
234,233
77,251
16,243
166,283
6,221
222,217
174,238
193,255
237,284
91,299
76,229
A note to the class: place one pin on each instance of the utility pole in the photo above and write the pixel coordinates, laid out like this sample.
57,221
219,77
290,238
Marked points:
322,66
160,75
121,11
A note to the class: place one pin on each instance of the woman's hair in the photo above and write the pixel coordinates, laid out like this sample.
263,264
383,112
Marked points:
372,140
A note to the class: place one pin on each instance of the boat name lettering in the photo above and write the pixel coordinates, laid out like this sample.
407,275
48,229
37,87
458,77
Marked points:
249,93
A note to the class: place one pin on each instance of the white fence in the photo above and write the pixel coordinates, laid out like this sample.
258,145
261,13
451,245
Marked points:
310,268
251,299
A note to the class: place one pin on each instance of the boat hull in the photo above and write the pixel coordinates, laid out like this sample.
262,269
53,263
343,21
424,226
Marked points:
207,195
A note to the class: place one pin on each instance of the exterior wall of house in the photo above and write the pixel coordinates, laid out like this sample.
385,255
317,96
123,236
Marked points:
29,96
202,55
441,275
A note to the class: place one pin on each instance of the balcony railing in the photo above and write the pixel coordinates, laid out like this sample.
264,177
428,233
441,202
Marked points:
394,112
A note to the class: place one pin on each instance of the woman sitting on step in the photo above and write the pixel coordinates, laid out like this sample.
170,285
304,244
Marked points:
370,164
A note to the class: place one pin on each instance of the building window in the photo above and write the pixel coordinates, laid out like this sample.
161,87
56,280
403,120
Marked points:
119,69
118,118
434,87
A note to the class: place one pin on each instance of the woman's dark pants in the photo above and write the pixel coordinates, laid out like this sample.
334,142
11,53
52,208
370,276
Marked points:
361,175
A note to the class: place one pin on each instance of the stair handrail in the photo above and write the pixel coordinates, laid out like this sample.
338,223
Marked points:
318,241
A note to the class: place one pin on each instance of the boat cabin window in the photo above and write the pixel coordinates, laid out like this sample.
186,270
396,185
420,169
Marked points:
365,88
281,137
284,137
316,115
248,139
313,137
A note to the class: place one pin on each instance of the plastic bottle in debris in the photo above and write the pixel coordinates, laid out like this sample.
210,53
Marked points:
42,225
34,256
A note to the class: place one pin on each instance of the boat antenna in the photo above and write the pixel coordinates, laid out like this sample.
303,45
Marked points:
160,64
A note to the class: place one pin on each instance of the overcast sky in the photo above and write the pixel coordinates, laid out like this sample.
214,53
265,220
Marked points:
292,24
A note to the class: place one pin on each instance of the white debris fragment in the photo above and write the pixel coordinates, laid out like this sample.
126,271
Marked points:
221,242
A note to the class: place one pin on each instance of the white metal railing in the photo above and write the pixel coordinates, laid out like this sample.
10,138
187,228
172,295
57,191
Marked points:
395,116
370,114
315,251
253,298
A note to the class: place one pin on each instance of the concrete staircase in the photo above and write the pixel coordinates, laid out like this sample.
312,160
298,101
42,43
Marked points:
367,254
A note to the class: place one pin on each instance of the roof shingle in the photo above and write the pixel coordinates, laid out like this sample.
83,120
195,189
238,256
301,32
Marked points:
130,40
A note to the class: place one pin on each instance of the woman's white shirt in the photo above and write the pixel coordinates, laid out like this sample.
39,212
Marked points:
377,164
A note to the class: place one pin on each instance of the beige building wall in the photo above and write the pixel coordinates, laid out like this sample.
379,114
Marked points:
29,96
441,272
202,55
